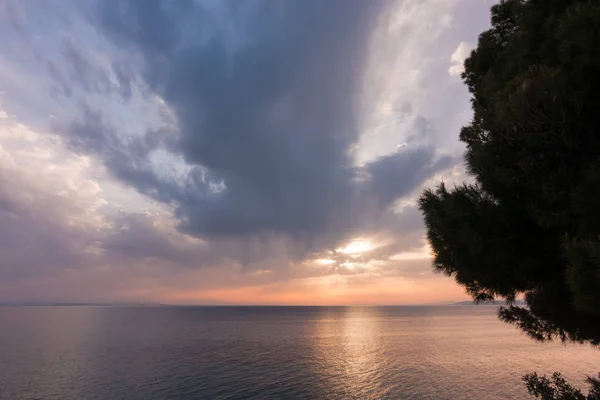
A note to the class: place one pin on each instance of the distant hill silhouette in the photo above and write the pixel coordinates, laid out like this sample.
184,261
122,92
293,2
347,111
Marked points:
493,303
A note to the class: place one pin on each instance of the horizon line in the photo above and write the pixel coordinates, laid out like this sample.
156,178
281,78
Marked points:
152,304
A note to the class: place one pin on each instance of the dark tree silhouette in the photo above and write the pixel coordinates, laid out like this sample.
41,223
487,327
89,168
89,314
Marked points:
557,388
530,224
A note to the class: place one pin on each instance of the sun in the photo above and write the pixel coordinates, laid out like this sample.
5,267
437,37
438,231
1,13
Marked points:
357,246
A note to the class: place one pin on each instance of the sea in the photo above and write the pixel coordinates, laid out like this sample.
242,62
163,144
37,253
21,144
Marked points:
180,353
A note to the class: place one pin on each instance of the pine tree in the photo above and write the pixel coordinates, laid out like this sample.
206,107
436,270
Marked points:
530,225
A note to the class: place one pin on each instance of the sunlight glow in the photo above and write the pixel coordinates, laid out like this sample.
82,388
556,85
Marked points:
324,261
348,265
356,247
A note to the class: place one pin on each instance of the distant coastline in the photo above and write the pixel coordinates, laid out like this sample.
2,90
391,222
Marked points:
492,303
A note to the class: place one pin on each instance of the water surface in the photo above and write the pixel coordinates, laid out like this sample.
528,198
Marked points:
145,353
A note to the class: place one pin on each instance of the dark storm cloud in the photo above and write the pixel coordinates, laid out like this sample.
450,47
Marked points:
398,174
265,94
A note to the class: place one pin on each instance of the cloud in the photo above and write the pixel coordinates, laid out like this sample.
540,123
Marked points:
49,214
266,113
272,119
457,60
64,241
16,16
396,175
192,149
84,70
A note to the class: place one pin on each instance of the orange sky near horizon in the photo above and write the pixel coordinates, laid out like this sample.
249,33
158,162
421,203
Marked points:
335,290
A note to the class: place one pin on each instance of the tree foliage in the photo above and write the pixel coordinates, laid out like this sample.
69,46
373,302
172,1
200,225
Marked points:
529,225
557,388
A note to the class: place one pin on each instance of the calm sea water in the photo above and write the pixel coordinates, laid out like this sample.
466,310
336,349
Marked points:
447,352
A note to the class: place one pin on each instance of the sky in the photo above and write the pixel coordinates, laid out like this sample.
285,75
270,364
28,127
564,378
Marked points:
228,152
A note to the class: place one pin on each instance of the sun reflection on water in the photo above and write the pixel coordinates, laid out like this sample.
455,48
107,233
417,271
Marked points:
350,349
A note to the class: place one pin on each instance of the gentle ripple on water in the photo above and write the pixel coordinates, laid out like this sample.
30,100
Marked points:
145,353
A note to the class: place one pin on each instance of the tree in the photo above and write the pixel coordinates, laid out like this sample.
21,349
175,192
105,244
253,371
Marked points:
529,225
558,388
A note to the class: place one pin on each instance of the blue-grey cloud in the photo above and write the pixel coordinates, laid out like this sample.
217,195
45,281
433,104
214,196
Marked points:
266,104
16,18
136,238
397,174
83,71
